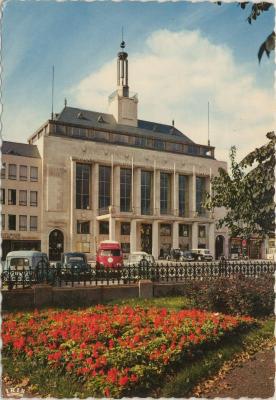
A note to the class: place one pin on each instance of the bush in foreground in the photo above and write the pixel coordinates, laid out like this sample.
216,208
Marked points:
237,295
116,350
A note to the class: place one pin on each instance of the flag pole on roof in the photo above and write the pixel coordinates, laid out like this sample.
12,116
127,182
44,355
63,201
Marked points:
53,82
208,126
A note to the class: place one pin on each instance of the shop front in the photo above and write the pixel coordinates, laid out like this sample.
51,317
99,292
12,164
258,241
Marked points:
245,248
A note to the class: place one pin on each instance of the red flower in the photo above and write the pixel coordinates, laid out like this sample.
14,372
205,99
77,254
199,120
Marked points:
19,344
133,378
107,392
123,380
112,375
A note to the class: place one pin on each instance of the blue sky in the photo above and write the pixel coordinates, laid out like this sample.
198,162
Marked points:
82,38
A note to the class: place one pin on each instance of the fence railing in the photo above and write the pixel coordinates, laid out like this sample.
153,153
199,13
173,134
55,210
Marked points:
73,275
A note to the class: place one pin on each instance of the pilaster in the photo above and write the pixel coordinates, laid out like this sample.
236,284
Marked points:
155,239
194,235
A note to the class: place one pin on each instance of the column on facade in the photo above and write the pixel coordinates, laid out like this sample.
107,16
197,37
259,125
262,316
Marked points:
73,204
157,192
195,235
175,235
155,239
192,194
175,192
137,191
116,188
112,232
211,238
95,205
133,235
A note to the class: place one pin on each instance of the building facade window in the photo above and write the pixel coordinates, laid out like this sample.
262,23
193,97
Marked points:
202,231
23,172
22,197
12,197
140,141
146,192
165,229
183,230
2,196
200,189
125,189
33,198
165,192
34,174
183,195
82,186
103,227
12,222
3,171
3,221
83,227
159,144
125,247
104,187
12,171
22,222
125,228
33,223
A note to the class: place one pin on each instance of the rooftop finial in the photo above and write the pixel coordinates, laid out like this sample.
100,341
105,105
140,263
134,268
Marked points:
65,102
122,45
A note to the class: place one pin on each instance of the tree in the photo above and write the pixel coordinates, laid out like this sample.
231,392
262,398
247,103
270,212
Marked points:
247,192
256,10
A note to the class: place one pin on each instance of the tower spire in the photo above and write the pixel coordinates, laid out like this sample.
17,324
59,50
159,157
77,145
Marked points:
122,69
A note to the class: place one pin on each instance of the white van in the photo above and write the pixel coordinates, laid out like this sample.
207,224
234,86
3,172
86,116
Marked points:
203,254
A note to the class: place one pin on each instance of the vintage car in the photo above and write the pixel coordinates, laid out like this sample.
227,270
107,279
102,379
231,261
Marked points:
140,258
73,265
25,267
203,254
109,255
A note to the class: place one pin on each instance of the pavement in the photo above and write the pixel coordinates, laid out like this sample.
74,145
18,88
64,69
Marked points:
253,378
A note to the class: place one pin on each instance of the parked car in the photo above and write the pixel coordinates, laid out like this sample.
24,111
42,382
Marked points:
174,254
141,258
189,256
109,254
203,254
25,267
73,264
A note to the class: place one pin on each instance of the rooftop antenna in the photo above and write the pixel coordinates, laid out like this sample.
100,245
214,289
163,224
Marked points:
122,45
53,82
65,102
208,126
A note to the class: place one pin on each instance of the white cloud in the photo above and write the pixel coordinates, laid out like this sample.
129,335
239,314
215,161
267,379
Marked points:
175,76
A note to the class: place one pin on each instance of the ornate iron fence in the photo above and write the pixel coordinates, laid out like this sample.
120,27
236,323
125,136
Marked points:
69,275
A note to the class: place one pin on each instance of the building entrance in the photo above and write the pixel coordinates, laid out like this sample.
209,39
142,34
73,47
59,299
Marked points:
56,244
146,238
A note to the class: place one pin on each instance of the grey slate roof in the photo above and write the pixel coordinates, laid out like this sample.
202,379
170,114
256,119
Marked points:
91,119
20,149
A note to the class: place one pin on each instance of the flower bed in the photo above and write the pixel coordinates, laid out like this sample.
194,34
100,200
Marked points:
113,350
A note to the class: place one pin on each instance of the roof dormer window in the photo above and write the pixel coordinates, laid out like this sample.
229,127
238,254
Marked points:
100,119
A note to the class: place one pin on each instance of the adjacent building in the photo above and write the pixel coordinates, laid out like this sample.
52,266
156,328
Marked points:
109,176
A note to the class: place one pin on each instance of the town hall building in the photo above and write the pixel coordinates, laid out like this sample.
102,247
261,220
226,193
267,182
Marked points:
109,176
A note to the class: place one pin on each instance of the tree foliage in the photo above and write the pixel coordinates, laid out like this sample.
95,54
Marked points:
247,193
256,10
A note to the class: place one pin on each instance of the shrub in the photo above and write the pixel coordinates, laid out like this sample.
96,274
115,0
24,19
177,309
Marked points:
236,295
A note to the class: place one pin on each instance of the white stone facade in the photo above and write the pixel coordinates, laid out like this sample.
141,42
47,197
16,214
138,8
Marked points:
58,207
